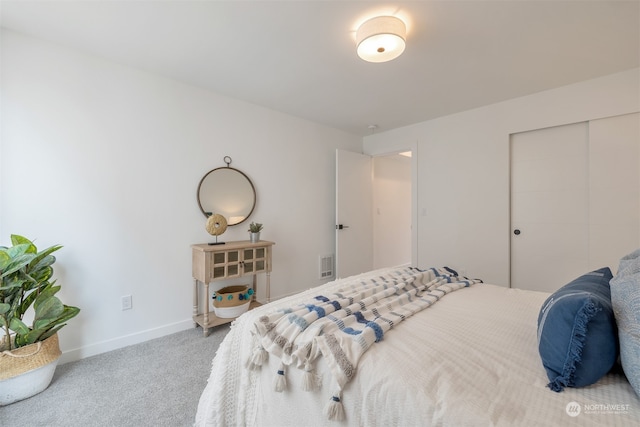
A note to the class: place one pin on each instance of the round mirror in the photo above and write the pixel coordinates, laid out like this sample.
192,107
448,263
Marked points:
228,192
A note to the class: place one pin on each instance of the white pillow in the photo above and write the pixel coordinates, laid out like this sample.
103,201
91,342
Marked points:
625,298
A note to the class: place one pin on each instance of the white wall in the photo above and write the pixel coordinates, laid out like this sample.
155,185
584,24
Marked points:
462,184
391,211
105,160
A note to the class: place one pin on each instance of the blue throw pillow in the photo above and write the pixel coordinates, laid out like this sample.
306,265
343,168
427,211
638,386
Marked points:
577,334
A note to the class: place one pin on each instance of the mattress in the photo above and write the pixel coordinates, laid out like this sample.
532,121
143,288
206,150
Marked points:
469,360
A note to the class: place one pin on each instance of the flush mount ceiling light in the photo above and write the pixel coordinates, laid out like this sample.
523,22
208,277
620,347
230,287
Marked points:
381,39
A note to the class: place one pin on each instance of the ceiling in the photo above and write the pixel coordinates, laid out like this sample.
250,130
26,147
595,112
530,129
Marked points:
298,57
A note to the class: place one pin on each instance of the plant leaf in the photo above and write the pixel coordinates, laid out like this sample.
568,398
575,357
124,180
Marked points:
28,338
51,331
47,309
21,240
18,326
15,263
68,313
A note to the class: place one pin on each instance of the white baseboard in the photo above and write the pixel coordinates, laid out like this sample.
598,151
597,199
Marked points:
137,338
127,340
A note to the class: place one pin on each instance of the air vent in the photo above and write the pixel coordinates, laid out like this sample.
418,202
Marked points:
326,266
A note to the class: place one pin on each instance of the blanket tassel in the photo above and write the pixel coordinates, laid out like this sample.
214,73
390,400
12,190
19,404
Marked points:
257,358
310,381
281,381
334,409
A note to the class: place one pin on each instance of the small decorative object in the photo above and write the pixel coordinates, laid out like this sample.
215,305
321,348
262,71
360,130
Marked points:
216,225
232,301
254,229
28,354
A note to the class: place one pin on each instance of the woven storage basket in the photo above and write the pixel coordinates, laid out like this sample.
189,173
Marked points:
232,301
33,356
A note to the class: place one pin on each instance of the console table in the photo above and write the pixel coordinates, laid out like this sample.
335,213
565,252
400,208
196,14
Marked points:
227,261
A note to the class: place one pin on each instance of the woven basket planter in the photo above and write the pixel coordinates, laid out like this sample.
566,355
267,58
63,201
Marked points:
28,370
232,301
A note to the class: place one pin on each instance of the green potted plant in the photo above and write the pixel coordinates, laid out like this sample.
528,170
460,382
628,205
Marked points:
254,230
28,353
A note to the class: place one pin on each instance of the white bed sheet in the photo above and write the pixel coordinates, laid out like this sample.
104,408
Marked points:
469,360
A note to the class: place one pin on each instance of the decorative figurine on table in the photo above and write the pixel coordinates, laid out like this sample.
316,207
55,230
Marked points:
216,225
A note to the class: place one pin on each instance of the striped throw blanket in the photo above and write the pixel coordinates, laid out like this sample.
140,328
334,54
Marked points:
343,325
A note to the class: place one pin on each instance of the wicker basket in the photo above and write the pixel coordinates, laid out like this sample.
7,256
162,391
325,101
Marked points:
29,357
28,370
232,301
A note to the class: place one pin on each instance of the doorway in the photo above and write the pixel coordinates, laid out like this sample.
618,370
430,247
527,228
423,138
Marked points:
373,211
392,210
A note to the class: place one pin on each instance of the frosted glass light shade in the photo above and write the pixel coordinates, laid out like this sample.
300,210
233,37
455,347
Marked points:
381,39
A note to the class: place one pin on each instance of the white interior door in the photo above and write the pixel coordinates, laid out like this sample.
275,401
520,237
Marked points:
354,213
614,189
549,207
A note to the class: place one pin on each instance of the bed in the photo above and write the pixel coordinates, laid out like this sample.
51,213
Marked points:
467,358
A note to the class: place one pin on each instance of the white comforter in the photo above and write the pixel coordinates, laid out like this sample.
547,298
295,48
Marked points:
470,360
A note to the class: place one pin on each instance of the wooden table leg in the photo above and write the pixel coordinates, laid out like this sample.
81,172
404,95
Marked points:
268,286
254,285
205,327
195,301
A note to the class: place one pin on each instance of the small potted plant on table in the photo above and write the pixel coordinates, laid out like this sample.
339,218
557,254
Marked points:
254,230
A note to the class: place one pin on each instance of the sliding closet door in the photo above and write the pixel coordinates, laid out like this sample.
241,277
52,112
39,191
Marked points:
614,189
575,200
549,206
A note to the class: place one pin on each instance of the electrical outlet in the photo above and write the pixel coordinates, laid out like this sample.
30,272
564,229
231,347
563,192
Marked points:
126,302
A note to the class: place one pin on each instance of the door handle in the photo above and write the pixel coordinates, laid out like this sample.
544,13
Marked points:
340,226
516,232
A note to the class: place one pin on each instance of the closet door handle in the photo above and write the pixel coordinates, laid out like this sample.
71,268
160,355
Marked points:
516,231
